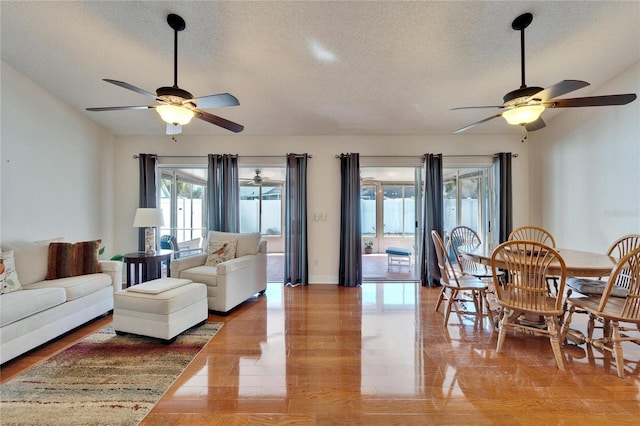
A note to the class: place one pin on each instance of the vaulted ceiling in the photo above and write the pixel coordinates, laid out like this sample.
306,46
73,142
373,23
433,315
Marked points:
317,68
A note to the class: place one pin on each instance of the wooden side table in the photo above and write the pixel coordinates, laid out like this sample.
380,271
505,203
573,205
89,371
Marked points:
146,266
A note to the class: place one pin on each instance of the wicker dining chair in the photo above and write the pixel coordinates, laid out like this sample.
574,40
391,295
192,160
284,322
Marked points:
464,236
533,233
454,287
526,292
614,310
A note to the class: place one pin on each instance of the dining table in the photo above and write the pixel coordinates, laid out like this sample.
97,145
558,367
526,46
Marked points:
578,263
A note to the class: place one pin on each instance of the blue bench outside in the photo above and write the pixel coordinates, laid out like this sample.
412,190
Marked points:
400,256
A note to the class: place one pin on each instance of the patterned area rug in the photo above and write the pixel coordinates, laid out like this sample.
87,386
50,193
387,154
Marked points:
102,380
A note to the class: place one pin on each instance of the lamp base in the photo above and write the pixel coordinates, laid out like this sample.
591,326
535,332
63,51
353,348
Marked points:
150,240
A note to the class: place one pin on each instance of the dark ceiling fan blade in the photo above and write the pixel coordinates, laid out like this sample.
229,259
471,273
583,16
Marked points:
559,89
536,125
606,100
477,107
121,108
130,87
219,121
477,123
215,101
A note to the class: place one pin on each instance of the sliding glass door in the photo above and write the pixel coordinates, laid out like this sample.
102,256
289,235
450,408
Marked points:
183,202
466,199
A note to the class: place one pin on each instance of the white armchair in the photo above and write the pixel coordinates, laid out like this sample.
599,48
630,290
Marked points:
230,282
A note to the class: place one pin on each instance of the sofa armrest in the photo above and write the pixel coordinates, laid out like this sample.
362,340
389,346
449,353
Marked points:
226,268
262,246
180,264
114,269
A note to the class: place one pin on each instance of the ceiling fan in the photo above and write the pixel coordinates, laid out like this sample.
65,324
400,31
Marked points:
258,179
175,105
524,106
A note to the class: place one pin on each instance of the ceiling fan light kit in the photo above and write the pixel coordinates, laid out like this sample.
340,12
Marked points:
177,106
525,105
174,114
523,115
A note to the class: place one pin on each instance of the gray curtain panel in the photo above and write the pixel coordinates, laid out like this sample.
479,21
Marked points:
147,194
223,193
504,207
350,274
432,218
296,270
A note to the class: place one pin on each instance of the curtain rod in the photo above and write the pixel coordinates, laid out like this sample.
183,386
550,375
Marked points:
204,156
421,156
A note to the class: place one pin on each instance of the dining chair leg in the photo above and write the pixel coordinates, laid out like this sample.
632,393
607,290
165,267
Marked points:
565,324
502,329
552,327
441,297
487,309
617,348
450,302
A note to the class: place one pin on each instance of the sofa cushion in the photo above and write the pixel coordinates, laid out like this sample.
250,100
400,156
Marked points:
202,274
73,259
24,303
76,287
8,276
247,243
31,259
220,251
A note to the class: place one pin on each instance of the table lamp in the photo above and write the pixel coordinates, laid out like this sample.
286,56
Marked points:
149,219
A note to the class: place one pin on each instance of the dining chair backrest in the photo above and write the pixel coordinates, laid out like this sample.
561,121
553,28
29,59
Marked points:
624,245
467,237
533,233
527,263
447,276
618,249
629,267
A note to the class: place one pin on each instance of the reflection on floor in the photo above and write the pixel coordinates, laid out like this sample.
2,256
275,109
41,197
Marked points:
375,267
379,355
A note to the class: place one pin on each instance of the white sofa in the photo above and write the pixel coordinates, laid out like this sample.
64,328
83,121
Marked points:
44,309
233,281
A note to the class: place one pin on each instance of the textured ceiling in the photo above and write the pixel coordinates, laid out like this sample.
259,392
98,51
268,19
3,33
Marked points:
317,68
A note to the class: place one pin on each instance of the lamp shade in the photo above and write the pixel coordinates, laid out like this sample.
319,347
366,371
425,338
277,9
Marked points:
148,218
175,114
523,115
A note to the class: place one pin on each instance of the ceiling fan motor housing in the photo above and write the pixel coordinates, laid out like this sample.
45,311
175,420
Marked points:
173,95
520,95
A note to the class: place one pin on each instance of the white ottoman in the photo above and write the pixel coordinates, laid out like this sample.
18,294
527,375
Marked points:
161,308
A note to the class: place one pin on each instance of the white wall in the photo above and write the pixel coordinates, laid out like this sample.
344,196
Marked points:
323,175
586,171
57,168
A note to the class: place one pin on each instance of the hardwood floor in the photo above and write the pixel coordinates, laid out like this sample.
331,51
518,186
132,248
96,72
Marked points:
379,355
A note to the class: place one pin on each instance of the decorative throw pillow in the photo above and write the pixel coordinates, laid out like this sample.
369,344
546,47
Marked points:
8,276
73,259
221,251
